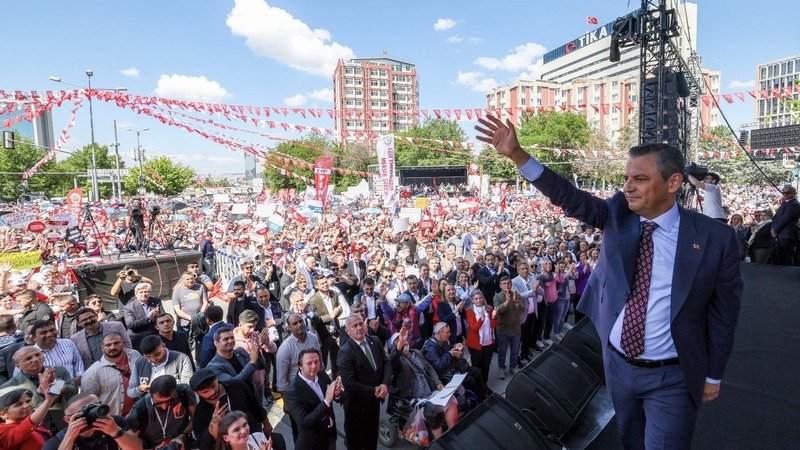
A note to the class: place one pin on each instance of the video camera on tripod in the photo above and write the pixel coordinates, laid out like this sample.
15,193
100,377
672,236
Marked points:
696,170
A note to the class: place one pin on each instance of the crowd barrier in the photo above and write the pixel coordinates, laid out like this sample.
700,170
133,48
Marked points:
226,267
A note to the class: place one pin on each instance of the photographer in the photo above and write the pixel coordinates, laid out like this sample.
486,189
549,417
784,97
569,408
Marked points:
125,286
89,428
135,222
712,197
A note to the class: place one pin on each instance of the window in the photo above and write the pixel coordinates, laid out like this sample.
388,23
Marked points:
523,89
596,88
349,81
373,83
349,102
502,94
539,101
769,74
373,72
790,67
522,101
615,98
580,90
763,73
359,92
348,92
783,68
538,89
614,84
348,71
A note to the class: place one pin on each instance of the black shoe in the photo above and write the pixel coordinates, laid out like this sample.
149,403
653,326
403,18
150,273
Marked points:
538,347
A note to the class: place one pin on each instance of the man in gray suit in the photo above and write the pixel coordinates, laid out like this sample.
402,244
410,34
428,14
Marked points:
90,339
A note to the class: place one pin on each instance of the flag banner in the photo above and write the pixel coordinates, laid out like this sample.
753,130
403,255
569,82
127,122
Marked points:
75,202
275,223
591,20
22,260
322,177
385,150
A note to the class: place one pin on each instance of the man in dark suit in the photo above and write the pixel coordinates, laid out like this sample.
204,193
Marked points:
784,227
214,316
664,296
309,400
365,373
241,300
490,274
140,314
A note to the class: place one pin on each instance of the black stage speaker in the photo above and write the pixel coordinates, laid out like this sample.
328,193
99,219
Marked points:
583,341
555,387
494,424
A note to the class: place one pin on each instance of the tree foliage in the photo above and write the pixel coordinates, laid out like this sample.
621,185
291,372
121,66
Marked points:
176,177
563,130
80,161
19,159
427,153
356,157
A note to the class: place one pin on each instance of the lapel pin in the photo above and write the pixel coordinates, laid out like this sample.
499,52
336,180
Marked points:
696,246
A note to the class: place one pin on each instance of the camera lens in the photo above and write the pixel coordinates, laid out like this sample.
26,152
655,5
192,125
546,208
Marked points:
130,272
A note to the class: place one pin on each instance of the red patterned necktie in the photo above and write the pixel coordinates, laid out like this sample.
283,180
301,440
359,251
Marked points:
632,339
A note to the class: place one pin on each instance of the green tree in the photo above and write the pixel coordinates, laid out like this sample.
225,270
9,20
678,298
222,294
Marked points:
599,169
80,161
21,158
427,153
497,170
563,130
176,177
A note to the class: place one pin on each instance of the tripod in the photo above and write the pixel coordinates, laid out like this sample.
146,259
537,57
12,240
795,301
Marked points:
88,218
153,227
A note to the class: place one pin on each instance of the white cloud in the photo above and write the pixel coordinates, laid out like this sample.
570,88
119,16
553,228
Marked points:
444,24
132,72
533,71
742,84
524,56
323,95
274,33
476,81
190,88
295,100
225,159
454,39
475,40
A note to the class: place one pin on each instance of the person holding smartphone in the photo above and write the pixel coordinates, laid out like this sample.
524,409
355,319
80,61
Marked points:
22,428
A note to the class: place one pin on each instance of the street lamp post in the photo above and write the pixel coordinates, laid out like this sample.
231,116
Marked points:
140,157
89,73
116,151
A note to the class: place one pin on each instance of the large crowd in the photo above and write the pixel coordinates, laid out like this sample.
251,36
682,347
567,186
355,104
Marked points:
342,307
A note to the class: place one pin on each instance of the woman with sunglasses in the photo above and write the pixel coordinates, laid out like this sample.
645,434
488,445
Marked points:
95,303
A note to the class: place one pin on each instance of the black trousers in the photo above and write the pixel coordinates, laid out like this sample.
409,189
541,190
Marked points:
329,346
789,252
482,360
361,417
528,339
538,328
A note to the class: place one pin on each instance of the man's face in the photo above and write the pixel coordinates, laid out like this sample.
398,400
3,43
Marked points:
238,291
247,270
165,324
434,264
226,342
443,335
162,402
142,295
187,280
296,326
30,360
522,269
25,301
359,310
46,336
647,193
400,272
113,347
451,253
412,285
310,365
157,356
424,272
356,328
211,393
89,322
75,407
551,249
263,297
69,305
369,289
709,180
505,285
490,261
194,268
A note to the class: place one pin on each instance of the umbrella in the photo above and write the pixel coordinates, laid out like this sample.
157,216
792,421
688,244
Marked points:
173,205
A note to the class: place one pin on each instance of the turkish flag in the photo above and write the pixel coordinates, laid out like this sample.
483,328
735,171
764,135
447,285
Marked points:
591,20
322,177
296,216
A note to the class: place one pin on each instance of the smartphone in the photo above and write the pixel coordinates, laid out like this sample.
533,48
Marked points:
55,389
143,380
223,399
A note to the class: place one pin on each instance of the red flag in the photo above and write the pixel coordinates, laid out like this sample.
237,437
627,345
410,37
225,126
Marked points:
503,204
75,202
591,20
296,216
473,169
322,176
385,52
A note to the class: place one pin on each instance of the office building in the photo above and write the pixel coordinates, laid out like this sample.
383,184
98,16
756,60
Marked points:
776,76
373,97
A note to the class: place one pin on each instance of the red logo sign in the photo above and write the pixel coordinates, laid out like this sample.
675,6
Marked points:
36,227
570,47
53,237
57,223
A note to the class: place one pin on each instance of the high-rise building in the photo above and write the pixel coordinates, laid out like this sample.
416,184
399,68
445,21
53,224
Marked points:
578,76
776,75
373,97
39,130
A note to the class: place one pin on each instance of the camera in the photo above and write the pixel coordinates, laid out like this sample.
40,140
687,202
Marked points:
136,211
696,170
154,210
92,412
130,273
173,445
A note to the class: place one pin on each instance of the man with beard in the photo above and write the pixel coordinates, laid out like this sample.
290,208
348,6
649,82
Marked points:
110,377
217,398
58,352
240,301
90,339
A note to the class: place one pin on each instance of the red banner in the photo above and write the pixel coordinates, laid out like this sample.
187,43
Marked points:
322,177
75,202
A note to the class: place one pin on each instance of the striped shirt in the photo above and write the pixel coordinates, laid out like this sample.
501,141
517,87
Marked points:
65,354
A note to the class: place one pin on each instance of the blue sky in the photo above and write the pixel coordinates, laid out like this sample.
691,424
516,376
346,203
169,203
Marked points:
282,53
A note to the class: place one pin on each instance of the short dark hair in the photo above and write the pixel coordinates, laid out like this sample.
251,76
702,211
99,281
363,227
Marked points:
239,283
150,344
7,323
214,313
504,278
669,160
411,277
83,311
714,176
39,324
305,351
9,398
162,314
221,330
369,281
113,334
163,385
248,316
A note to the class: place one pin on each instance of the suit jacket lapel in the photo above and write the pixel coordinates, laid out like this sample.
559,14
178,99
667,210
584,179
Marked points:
628,248
688,256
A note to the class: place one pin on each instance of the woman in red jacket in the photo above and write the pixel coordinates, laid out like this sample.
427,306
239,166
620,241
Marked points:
22,429
480,338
